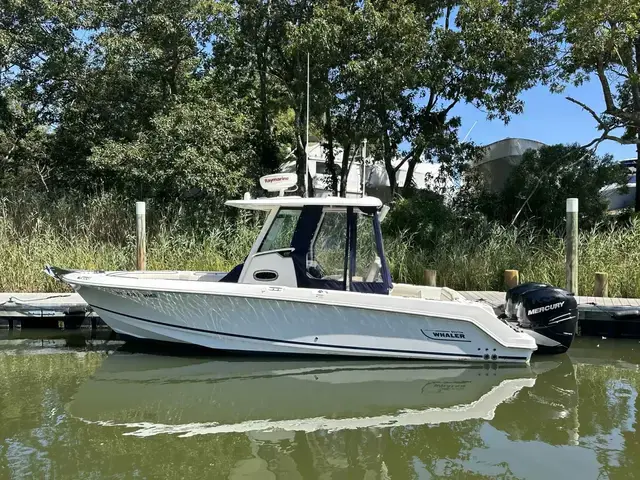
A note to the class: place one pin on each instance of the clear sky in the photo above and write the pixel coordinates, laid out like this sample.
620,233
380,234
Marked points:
548,118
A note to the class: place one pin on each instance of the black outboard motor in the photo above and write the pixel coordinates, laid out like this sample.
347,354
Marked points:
514,296
550,316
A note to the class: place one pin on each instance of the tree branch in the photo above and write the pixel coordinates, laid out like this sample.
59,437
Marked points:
453,104
591,111
432,97
606,88
606,127
447,15
404,160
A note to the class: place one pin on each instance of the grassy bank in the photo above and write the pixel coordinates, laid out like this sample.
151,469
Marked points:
99,234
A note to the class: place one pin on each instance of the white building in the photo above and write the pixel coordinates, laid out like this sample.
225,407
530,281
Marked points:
376,180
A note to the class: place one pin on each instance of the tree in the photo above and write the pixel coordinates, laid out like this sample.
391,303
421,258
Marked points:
84,81
40,60
414,62
390,72
536,190
602,40
144,57
264,51
196,152
424,215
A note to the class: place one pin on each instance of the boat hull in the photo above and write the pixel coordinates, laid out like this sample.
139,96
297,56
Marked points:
273,325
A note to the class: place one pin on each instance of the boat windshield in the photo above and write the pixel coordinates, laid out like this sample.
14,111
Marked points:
281,231
331,248
325,258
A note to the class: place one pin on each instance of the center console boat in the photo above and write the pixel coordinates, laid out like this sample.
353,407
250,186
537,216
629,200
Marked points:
316,281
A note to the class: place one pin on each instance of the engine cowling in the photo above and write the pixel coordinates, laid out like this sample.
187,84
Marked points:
514,296
550,315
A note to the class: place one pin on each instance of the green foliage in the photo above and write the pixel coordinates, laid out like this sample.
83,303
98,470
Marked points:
196,152
536,190
100,233
89,86
602,44
423,216
184,103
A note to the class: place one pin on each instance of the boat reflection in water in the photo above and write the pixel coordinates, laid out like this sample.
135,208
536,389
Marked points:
163,394
355,417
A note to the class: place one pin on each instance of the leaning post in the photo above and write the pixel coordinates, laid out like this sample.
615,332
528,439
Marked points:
571,245
141,240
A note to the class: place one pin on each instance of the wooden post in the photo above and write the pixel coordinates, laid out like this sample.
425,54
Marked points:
141,240
602,285
571,246
511,278
430,277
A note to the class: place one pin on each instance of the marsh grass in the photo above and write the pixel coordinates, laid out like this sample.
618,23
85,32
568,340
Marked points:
477,261
99,234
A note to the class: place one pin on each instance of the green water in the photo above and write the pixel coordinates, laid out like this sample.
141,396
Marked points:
71,408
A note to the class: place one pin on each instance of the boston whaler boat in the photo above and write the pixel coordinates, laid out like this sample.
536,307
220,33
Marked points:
316,281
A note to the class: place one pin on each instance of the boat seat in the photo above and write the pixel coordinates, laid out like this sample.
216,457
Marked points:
421,291
234,275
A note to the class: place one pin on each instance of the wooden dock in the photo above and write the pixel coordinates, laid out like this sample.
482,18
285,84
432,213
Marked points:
498,298
46,310
597,315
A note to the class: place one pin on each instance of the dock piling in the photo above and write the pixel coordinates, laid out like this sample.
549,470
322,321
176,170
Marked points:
511,278
430,277
601,285
571,246
141,240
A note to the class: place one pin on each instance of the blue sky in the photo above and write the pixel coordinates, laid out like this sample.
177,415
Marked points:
547,117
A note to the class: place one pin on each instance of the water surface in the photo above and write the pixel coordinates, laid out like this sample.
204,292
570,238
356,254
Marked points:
72,407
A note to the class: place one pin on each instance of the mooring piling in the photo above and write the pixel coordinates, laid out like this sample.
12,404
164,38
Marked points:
430,277
601,288
571,245
141,240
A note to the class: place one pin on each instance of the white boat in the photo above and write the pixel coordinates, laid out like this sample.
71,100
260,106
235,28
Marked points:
316,281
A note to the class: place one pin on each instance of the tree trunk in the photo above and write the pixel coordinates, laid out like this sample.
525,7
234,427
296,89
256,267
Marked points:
344,171
331,158
301,154
408,188
387,155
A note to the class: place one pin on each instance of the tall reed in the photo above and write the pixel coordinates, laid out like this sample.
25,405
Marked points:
98,233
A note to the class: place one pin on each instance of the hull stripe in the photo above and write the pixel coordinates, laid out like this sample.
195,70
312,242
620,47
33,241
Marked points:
296,343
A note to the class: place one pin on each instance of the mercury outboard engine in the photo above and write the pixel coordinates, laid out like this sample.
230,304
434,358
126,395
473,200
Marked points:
514,296
549,315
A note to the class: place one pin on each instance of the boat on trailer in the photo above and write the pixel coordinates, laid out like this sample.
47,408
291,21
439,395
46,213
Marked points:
316,281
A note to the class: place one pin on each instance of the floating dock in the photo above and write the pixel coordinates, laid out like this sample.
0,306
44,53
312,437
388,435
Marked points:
46,310
597,316
601,316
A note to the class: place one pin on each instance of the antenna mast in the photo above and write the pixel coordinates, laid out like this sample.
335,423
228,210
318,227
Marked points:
364,168
306,145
